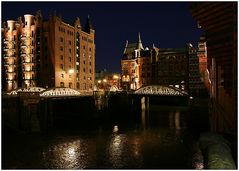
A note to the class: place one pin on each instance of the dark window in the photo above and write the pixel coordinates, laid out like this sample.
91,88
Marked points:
70,59
69,42
61,39
61,57
61,48
70,84
78,85
62,75
62,84
70,50
62,67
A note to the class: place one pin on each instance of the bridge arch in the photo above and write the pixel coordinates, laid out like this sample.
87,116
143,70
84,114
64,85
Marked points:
113,88
160,90
27,90
59,92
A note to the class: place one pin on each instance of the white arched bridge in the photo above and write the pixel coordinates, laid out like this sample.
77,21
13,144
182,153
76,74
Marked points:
160,91
51,92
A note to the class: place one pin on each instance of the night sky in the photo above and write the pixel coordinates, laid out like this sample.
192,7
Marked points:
166,24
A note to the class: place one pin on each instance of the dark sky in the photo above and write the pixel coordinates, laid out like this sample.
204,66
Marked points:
166,24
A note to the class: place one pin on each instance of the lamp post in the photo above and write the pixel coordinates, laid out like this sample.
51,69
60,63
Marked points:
116,77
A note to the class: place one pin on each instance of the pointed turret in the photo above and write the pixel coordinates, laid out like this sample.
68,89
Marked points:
126,45
139,44
88,25
154,46
77,23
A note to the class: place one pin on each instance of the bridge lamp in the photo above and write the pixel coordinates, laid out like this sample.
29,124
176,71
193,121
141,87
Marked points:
104,80
99,81
71,71
116,77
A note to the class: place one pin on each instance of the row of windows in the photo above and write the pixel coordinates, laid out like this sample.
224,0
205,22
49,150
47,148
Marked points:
62,40
84,70
62,84
61,48
77,63
68,31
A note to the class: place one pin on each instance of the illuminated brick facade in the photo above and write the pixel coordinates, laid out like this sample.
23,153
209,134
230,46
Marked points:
173,68
20,56
49,53
219,21
136,65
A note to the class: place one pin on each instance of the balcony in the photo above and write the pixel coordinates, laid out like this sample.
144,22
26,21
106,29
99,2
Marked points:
27,62
9,49
6,56
23,46
9,64
29,78
28,71
23,38
11,72
9,42
5,49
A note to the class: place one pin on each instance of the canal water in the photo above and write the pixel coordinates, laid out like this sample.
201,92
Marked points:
154,139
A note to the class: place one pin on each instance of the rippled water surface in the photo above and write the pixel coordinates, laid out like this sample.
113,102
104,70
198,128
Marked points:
158,141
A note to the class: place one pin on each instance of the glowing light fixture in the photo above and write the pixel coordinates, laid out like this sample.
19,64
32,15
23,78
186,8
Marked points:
71,71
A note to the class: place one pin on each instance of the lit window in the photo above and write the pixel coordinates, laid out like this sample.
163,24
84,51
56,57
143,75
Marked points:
61,84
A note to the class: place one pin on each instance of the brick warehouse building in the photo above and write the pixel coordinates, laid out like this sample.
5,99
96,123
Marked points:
48,53
137,65
219,21
162,66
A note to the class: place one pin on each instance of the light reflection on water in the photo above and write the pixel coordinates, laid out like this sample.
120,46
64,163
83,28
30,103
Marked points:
155,147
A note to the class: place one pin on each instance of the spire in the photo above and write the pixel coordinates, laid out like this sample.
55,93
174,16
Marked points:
139,45
126,45
88,25
153,46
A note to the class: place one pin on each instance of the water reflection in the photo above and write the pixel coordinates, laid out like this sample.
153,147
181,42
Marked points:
117,148
67,155
174,120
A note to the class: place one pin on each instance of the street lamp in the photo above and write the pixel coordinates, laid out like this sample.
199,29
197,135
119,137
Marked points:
116,77
104,80
71,71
